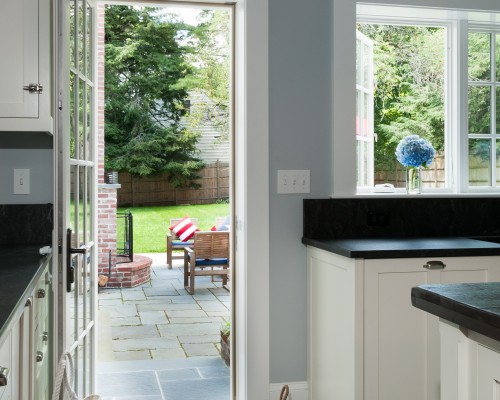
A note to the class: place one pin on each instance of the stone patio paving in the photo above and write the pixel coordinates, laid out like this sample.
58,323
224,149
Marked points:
156,336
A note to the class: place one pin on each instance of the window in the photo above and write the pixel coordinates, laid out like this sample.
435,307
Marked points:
483,107
410,71
469,159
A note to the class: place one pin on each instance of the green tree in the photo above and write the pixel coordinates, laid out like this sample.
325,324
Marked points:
145,89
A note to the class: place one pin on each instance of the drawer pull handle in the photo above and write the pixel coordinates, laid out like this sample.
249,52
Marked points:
4,375
39,356
435,265
45,336
40,294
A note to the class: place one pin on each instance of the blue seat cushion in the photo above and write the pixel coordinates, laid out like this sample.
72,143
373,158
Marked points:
212,261
181,243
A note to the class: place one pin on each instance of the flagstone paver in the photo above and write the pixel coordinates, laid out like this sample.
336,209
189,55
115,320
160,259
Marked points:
200,349
153,317
134,332
124,321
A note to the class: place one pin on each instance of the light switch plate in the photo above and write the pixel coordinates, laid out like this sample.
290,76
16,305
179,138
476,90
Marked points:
21,181
294,181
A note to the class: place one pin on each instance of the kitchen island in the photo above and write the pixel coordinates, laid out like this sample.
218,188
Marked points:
470,337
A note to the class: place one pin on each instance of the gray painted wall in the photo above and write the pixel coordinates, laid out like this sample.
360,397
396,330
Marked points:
300,62
39,161
299,138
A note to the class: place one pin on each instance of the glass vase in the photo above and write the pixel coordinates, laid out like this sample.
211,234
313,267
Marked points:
414,180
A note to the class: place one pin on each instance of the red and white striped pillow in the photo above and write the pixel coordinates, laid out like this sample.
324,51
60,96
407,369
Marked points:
184,229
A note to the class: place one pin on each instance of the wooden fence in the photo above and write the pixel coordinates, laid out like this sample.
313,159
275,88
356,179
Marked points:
156,190
432,177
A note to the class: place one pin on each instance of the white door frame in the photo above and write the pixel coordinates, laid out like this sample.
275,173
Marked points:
252,376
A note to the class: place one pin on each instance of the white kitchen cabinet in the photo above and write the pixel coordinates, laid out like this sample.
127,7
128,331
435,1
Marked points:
366,340
10,365
27,348
470,364
25,48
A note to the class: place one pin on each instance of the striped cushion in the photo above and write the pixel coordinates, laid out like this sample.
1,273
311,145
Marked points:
185,229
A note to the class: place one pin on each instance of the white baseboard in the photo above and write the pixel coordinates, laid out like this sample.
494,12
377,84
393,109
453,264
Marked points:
298,390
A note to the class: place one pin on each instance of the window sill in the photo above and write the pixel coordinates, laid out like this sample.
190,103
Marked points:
404,195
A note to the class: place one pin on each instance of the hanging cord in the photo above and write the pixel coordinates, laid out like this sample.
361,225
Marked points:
284,393
64,378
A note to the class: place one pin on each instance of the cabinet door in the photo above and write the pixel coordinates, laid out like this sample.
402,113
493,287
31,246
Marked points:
402,342
488,373
6,362
19,50
396,333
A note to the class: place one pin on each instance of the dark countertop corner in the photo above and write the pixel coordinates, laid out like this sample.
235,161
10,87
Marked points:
475,306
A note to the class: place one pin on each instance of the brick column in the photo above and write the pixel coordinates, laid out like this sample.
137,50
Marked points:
107,194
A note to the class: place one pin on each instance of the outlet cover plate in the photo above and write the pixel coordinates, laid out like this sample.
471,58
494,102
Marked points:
294,181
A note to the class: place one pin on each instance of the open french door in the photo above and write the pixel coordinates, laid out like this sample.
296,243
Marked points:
76,188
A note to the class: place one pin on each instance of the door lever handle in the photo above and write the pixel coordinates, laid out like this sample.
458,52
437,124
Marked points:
70,270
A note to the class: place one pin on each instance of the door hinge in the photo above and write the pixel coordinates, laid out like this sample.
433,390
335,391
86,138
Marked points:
35,88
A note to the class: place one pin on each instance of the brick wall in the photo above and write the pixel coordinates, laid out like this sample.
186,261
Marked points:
106,227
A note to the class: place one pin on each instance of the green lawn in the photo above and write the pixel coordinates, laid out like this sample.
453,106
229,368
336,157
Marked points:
151,223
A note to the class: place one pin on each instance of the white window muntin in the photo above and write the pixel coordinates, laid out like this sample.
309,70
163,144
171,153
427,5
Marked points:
365,126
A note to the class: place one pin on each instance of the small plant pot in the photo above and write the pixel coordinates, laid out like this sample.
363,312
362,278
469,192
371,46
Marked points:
225,348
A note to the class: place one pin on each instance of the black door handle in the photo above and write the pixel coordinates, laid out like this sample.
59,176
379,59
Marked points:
70,270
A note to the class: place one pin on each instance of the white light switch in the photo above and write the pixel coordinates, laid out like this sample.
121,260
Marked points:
21,181
294,181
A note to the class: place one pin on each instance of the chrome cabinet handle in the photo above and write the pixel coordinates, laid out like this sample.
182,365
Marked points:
435,265
45,336
4,375
39,356
40,293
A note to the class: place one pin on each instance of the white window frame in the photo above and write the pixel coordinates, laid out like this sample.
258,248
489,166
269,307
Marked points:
450,89
413,12
365,142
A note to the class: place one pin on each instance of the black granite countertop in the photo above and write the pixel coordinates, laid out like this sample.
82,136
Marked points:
19,271
406,248
475,306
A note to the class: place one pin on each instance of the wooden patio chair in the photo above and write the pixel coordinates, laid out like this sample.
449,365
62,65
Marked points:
174,243
209,255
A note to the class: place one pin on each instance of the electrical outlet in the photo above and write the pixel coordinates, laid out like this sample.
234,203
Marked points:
21,181
377,219
294,181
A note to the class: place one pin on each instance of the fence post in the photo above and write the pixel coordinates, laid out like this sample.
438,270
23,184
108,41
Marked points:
133,189
217,177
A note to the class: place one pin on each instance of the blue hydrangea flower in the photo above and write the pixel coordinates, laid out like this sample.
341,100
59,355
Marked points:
412,151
